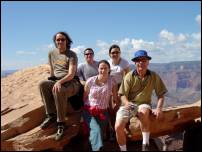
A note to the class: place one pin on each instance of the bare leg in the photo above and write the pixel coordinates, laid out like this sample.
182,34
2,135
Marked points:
120,133
143,115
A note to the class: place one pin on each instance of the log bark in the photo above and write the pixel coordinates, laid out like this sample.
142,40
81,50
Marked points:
175,119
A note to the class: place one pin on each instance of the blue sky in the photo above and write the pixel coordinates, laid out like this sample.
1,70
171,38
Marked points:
169,31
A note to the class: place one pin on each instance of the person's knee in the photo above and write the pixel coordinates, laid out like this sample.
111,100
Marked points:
42,84
144,114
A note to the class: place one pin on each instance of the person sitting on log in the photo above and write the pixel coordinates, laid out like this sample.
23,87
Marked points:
62,84
136,91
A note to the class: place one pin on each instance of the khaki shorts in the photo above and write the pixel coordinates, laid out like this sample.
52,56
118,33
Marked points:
125,115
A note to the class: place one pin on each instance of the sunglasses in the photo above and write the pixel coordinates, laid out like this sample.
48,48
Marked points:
116,52
88,54
60,40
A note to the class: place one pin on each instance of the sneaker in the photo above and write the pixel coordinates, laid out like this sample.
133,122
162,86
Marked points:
145,147
60,132
47,122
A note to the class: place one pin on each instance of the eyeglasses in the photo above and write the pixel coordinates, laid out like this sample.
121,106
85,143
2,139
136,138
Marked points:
116,52
88,54
60,40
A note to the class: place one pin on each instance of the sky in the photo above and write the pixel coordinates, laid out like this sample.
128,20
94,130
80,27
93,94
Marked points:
168,31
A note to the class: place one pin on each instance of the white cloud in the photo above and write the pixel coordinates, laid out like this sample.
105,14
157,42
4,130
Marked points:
126,46
169,37
50,46
196,36
169,47
180,47
103,48
26,53
45,47
20,64
79,49
198,19
164,34
125,42
141,44
103,45
181,37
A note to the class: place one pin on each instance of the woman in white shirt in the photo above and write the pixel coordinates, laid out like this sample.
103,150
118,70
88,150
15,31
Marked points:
119,66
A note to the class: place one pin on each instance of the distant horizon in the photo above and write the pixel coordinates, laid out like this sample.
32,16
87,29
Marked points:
2,70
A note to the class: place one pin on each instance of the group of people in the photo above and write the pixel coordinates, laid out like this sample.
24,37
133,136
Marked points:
107,84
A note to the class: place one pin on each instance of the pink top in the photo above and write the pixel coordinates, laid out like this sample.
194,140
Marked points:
99,96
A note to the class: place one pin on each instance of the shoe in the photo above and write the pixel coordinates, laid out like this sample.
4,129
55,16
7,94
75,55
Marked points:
49,120
145,147
101,149
60,132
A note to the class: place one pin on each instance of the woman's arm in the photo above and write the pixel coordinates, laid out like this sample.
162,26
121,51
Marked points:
116,99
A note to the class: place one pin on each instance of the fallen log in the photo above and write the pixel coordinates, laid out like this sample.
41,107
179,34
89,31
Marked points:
175,119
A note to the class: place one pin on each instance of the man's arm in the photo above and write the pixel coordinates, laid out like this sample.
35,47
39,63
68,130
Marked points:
68,77
158,110
160,103
125,101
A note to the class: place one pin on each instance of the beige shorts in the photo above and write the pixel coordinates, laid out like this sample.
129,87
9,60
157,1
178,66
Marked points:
124,114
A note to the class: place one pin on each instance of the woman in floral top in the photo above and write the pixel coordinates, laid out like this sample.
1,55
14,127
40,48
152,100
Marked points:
97,93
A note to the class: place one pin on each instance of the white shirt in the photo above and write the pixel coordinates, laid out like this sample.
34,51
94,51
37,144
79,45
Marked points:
118,69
